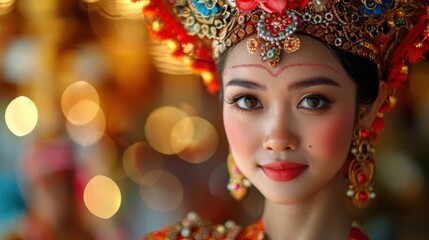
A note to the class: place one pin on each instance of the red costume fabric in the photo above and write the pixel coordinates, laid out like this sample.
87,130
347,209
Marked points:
206,232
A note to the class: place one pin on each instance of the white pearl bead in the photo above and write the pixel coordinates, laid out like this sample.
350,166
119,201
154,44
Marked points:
350,193
230,224
192,216
185,232
247,183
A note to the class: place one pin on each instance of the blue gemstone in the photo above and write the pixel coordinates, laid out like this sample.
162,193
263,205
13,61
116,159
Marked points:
364,149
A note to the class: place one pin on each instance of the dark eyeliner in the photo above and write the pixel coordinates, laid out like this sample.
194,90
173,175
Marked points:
232,101
327,103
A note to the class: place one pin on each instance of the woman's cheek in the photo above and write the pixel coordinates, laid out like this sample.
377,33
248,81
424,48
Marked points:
233,129
239,132
334,137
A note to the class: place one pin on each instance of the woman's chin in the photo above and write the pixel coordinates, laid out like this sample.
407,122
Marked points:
284,199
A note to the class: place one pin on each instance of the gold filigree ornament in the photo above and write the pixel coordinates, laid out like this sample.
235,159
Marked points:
361,168
252,45
291,44
238,184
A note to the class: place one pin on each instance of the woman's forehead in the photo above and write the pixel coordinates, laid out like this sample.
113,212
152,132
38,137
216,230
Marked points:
310,52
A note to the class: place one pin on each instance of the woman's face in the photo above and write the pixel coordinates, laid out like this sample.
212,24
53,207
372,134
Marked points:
289,127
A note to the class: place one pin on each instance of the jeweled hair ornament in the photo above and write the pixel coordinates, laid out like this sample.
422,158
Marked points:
393,34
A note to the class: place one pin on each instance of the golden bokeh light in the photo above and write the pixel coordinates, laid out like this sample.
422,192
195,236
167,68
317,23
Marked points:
164,195
21,116
194,139
6,2
159,125
6,6
164,62
139,160
83,112
80,103
89,133
120,8
188,109
102,197
182,134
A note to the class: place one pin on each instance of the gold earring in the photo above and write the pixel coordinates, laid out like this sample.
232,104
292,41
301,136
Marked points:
361,168
238,184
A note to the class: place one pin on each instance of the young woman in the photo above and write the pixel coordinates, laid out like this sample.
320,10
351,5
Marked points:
304,86
290,130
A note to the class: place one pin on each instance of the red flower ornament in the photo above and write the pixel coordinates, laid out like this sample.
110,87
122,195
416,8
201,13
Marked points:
297,4
270,5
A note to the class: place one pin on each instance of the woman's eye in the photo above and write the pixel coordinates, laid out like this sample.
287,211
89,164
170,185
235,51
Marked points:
248,103
314,102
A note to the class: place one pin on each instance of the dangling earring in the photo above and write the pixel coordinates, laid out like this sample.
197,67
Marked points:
362,168
238,184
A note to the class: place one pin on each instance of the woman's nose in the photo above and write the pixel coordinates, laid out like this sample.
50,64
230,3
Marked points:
279,136
280,142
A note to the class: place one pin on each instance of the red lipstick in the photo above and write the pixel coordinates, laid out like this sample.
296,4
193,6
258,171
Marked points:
283,171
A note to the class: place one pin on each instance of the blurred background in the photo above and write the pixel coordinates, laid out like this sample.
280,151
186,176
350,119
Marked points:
104,136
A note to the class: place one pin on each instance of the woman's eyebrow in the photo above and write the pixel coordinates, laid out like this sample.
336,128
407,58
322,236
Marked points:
313,81
245,84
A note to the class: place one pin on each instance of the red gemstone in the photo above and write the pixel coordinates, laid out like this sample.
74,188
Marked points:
364,133
237,186
362,177
363,195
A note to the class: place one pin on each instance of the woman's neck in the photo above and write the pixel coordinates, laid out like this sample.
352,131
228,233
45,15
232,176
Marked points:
321,216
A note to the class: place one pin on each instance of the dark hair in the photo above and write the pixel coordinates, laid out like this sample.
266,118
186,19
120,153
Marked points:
363,72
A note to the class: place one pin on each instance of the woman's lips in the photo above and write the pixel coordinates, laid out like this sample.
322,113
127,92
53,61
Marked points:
283,170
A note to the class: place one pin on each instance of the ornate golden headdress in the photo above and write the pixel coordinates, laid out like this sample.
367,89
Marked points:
391,33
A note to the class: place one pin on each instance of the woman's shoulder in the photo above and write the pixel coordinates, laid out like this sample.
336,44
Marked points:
195,228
